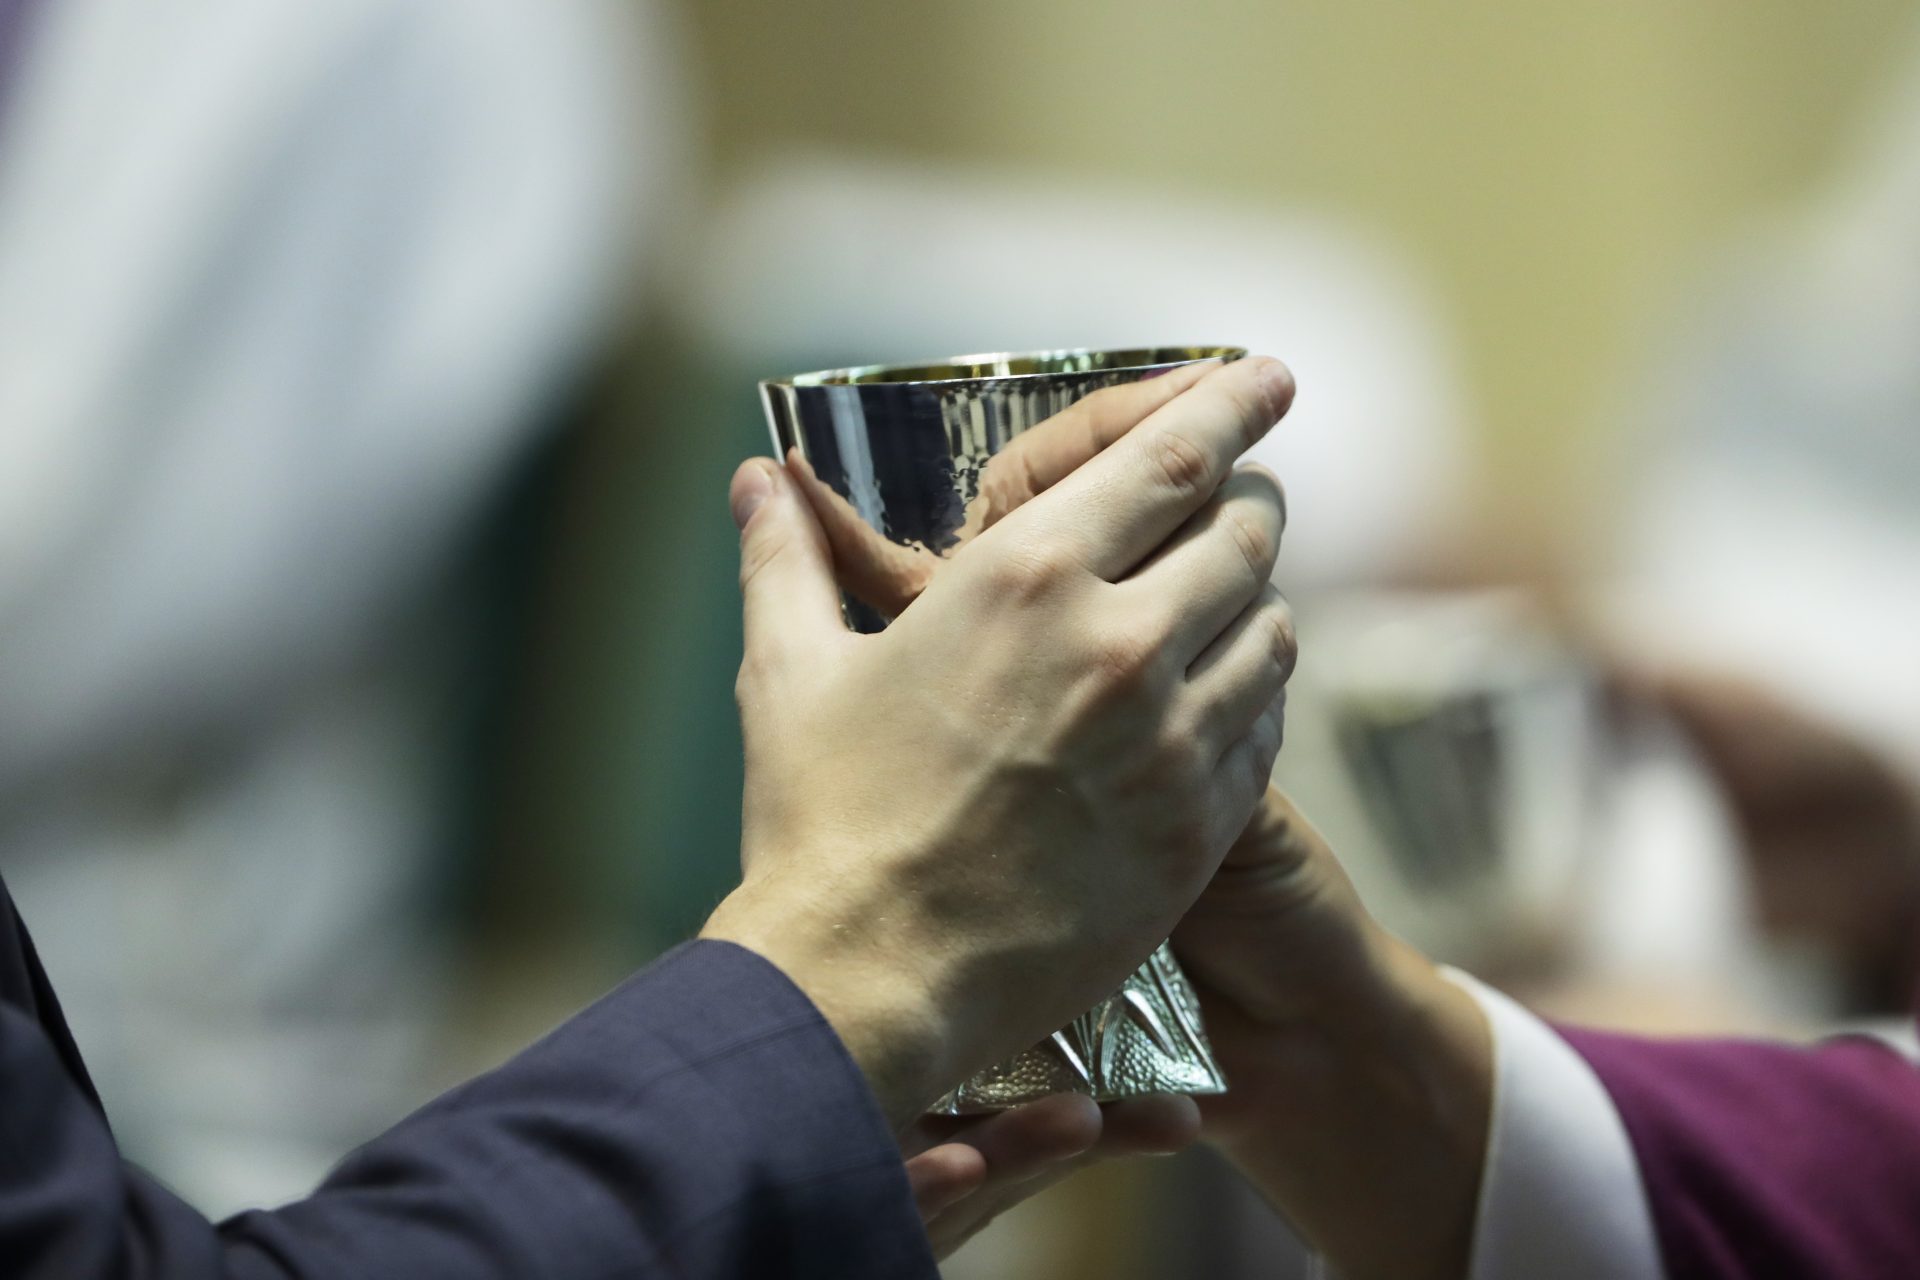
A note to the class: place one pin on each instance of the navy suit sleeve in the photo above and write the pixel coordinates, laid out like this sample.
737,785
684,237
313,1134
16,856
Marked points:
701,1121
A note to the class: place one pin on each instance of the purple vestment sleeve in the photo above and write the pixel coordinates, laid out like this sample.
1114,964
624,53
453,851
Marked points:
1765,1161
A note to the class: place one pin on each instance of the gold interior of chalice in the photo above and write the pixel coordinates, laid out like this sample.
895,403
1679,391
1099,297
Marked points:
1023,364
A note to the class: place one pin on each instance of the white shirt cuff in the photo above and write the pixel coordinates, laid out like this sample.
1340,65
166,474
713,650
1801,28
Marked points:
1561,1193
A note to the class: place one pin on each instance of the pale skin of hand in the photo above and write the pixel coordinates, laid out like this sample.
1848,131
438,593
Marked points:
1361,1081
962,831
965,1172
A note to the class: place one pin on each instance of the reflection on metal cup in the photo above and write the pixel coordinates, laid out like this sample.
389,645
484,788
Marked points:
899,462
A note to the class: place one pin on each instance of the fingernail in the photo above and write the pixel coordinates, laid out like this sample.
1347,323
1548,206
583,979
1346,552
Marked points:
1276,380
752,488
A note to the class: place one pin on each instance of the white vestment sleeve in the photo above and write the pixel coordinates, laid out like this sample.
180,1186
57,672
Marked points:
1561,1195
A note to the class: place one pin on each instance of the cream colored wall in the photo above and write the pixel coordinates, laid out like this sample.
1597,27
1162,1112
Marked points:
1556,167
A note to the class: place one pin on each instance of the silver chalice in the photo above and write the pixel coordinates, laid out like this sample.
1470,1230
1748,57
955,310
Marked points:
903,456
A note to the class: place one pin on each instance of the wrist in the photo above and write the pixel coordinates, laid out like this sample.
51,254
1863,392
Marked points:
1424,1041
1378,1107
876,996
1402,1017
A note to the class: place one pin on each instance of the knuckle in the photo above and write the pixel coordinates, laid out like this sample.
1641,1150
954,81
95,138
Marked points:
1022,483
1256,545
1009,479
1179,747
749,680
1269,733
1187,764
1284,641
1126,657
1258,766
755,555
1025,573
1105,400
1180,464
1274,617
1260,763
1275,493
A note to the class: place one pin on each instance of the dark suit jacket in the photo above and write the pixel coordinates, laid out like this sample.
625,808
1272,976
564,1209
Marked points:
700,1121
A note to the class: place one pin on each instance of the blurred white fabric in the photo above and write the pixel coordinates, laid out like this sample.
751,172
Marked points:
285,290
820,257
1777,532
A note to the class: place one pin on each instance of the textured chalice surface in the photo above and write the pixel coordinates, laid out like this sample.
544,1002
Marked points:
1144,1038
906,448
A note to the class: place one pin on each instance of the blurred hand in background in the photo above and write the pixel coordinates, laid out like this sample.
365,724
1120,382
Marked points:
1831,827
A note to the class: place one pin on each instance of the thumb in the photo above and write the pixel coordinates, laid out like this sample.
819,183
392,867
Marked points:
787,589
